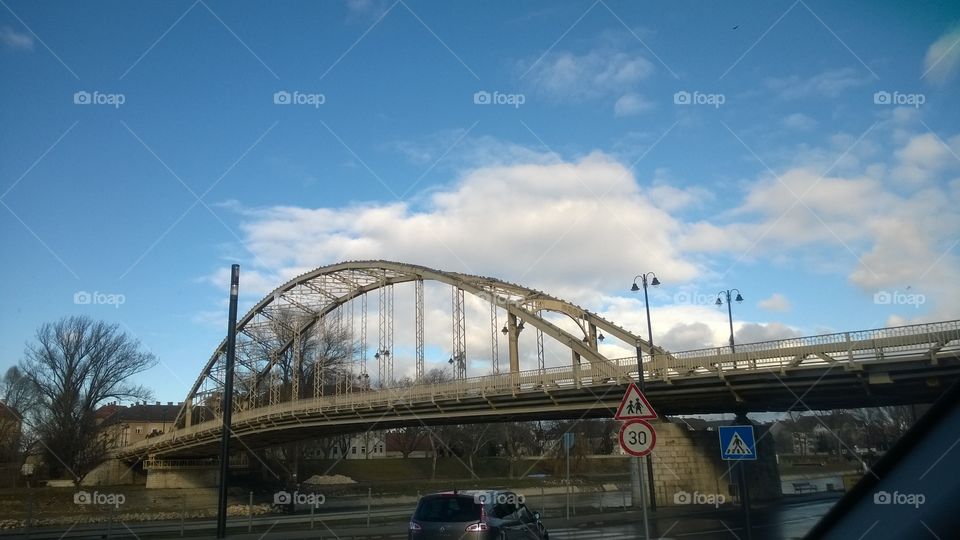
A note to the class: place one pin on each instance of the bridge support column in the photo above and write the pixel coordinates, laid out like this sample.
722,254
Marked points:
188,413
514,347
576,367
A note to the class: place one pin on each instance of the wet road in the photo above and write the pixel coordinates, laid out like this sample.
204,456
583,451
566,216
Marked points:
779,523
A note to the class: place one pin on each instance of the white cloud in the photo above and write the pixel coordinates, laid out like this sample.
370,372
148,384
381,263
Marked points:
885,234
924,157
943,57
572,227
799,121
827,84
15,40
631,104
753,333
671,198
566,226
776,302
565,76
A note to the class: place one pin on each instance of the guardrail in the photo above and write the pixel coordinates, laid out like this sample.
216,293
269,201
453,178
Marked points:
920,341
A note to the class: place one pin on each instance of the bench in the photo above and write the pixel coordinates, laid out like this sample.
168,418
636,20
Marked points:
803,487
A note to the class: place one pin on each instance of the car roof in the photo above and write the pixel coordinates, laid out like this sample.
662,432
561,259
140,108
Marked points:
470,492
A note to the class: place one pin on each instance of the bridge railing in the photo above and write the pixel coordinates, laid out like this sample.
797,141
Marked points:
849,348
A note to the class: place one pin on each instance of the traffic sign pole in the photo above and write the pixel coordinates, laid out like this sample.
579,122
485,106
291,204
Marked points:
745,499
738,444
637,438
744,488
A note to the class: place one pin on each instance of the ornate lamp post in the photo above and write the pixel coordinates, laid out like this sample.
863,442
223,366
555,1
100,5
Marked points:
646,302
719,302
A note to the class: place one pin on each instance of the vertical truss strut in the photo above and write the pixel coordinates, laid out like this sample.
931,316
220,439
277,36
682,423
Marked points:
274,385
390,334
351,334
297,364
385,351
363,336
494,336
459,358
418,285
540,360
318,364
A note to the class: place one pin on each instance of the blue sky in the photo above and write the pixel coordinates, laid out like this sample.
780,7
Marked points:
815,169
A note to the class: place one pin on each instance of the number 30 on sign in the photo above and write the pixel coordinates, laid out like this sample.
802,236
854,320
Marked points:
637,438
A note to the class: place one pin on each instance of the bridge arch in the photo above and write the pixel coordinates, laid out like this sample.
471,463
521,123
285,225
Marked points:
310,298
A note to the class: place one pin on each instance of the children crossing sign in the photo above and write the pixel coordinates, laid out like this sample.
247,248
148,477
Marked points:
634,406
737,443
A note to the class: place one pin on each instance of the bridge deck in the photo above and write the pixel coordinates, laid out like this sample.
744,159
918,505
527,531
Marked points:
910,364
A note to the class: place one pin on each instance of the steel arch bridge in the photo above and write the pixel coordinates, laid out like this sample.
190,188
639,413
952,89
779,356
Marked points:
272,335
302,364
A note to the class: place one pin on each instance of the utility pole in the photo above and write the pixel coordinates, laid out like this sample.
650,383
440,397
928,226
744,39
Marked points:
228,402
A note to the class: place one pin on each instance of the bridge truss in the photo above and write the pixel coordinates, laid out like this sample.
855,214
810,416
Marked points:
300,341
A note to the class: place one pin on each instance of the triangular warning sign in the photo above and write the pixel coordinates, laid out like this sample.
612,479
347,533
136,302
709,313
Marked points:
737,447
634,405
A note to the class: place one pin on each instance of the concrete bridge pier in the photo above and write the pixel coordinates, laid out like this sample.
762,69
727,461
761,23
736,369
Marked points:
182,473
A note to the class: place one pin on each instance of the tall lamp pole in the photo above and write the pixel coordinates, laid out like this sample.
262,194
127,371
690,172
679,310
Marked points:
227,402
739,298
646,302
741,415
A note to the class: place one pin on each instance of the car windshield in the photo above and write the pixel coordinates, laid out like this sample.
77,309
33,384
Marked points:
448,508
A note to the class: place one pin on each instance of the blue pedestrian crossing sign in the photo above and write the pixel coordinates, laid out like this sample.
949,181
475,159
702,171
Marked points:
737,443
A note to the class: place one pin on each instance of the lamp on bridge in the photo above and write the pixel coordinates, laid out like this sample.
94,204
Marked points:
646,302
739,298
506,331
459,363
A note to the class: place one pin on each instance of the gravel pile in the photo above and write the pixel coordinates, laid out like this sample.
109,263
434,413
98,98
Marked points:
318,479
234,510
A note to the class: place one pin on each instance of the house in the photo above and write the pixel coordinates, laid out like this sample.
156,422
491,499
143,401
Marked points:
370,445
131,424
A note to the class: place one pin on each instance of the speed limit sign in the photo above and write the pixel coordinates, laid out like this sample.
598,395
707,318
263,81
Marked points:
637,438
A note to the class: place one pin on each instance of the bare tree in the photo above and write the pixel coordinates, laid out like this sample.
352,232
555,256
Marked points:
316,359
516,438
472,439
76,365
18,397
881,427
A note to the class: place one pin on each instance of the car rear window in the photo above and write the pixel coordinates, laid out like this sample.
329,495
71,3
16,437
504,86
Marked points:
448,508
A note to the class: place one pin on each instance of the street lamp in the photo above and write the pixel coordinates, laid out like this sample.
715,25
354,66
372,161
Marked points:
719,302
459,363
646,302
741,415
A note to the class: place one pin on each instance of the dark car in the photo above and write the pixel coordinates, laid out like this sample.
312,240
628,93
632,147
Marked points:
475,515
